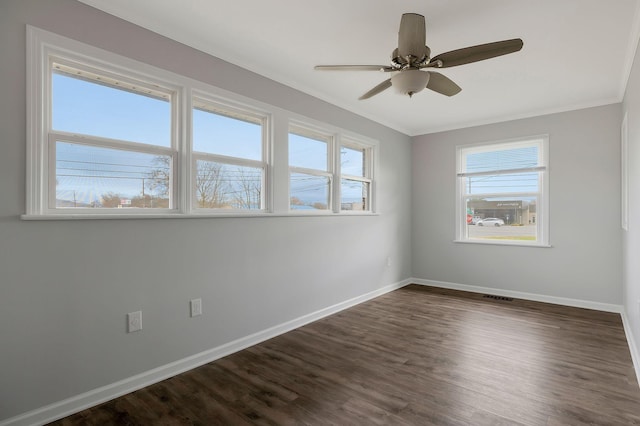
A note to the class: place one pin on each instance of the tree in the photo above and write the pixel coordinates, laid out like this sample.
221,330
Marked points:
249,190
211,188
319,206
159,177
111,200
215,186
150,201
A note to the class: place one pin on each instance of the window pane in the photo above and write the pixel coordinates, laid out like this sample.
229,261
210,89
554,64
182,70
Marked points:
89,176
352,161
502,159
502,183
354,195
226,186
223,135
511,218
309,192
307,152
86,107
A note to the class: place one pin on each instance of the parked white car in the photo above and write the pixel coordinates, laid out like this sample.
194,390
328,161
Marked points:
490,221
475,220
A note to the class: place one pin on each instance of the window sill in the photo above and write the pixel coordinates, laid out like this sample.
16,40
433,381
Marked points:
503,243
71,216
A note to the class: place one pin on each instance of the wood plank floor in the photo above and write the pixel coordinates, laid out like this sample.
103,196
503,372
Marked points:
416,356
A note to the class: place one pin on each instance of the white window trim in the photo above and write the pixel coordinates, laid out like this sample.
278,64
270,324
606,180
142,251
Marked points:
542,218
42,44
336,138
44,48
624,173
88,64
369,167
231,108
311,129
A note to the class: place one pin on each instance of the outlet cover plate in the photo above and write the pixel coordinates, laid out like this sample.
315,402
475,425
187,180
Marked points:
196,307
134,321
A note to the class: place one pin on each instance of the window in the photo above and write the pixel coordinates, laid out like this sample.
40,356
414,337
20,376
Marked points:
229,161
310,177
329,172
502,192
109,141
355,179
109,137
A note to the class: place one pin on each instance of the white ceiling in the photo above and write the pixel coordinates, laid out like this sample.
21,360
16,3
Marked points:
576,54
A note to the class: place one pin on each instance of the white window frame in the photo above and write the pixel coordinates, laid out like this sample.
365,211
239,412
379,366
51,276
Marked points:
54,136
624,173
46,49
542,207
368,152
229,109
317,133
40,162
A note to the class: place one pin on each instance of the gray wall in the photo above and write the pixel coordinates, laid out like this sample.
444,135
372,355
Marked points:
66,286
631,238
585,260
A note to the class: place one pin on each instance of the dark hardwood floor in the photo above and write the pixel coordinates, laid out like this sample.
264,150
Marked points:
416,356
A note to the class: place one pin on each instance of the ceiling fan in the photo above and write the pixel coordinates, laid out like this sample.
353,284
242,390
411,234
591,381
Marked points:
412,56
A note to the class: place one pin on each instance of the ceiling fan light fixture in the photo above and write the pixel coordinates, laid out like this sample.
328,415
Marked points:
409,82
412,56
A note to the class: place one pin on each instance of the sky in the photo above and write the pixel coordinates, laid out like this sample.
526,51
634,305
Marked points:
505,159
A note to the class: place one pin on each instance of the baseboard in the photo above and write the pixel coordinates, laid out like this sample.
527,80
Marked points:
97,396
576,303
633,348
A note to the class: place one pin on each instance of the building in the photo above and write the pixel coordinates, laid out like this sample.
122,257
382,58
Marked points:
513,212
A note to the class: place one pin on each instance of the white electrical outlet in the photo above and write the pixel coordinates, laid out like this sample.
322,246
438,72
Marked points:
134,321
389,261
196,307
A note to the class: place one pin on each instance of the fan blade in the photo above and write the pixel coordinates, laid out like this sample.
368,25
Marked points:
441,84
477,53
383,68
412,36
379,88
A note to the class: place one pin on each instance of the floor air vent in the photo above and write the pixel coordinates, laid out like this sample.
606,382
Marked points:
491,296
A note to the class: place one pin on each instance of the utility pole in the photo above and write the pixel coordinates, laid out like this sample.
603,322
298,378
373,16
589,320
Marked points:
144,204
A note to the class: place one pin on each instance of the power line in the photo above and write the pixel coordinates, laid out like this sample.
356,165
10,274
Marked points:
105,164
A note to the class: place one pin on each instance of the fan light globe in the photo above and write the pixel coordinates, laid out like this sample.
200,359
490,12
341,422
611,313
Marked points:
410,81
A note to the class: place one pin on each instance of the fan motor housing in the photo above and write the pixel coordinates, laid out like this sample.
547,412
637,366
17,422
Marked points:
415,61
